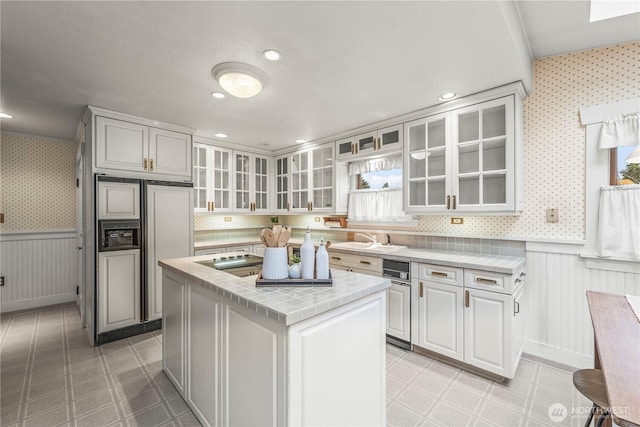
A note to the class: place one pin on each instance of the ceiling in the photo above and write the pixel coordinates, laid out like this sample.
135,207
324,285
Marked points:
344,65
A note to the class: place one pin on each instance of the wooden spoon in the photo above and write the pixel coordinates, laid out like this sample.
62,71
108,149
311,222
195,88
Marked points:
262,233
270,238
283,238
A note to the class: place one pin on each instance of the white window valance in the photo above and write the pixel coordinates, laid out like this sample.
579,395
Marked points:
373,165
620,131
381,205
619,223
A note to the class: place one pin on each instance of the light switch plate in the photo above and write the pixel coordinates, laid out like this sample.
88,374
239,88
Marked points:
317,219
227,219
553,215
457,220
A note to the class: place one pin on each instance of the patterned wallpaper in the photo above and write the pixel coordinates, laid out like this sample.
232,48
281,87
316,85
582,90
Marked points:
37,183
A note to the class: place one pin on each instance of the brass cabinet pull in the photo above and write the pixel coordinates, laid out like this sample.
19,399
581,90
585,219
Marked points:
421,289
210,206
448,202
466,298
439,274
454,202
365,262
151,164
486,281
144,163
337,258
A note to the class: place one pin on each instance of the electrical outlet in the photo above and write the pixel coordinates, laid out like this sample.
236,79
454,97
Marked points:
351,236
227,219
317,219
457,220
553,215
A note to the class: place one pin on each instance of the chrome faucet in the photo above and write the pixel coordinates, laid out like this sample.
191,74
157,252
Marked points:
372,237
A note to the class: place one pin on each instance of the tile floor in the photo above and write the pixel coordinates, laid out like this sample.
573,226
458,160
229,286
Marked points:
50,376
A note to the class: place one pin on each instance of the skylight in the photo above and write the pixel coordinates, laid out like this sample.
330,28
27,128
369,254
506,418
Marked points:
605,9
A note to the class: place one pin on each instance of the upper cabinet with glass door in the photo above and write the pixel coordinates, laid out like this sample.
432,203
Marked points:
466,160
376,141
251,182
310,181
212,174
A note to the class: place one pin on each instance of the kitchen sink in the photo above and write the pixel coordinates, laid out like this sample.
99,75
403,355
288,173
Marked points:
367,246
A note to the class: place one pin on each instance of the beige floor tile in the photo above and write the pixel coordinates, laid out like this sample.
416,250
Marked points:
49,386
11,398
50,401
189,420
9,415
516,385
394,387
473,383
137,402
89,403
100,418
87,374
540,412
416,400
177,405
462,399
429,385
505,398
549,396
441,371
127,374
401,416
415,361
53,417
402,373
448,415
155,416
167,389
500,416
558,383
7,385
133,386
89,387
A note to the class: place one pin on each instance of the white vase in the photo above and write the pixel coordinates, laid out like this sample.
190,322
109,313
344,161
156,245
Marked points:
275,263
295,271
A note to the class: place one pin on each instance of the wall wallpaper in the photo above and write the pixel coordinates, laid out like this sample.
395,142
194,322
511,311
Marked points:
37,183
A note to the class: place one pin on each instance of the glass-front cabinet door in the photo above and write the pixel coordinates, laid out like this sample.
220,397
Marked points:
322,174
390,138
282,183
427,163
200,180
220,179
300,200
483,166
260,183
242,181
345,148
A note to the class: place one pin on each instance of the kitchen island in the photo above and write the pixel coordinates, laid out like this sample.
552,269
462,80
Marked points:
241,355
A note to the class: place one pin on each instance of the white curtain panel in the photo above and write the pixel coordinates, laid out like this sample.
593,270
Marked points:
373,165
619,222
620,131
376,205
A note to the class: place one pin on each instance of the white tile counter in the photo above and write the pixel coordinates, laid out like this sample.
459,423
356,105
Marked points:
287,305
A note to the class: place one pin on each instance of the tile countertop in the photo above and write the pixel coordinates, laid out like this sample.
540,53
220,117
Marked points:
486,262
287,305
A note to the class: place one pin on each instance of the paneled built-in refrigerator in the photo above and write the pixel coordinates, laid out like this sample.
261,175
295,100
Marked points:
138,223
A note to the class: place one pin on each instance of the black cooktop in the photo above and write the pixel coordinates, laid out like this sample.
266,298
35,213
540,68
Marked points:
227,261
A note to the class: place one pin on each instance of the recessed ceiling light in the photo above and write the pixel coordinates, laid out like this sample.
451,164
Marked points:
238,79
301,141
447,96
5,116
271,54
218,95
221,135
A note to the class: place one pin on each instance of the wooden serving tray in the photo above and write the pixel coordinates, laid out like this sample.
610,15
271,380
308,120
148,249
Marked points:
261,283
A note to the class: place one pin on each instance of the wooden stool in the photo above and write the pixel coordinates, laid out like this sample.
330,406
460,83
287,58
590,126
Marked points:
590,383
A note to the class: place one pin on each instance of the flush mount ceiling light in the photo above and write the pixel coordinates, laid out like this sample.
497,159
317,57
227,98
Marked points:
238,79
447,96
5,116
218,95
271,54
221,135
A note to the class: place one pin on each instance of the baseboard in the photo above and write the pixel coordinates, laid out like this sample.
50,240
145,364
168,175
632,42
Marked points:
556,357
26,304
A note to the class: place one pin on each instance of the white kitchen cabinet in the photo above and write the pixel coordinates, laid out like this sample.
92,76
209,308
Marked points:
173,331
212,178
283,203
373,142
440,318
466,160
118,289
118,200
169,235
251,177
356,263
399,312
148,151
312,180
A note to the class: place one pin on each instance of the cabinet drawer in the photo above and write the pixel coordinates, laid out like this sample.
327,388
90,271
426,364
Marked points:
361,263
495,282
440,274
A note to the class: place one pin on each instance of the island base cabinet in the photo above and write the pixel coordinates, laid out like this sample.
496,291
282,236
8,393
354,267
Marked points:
173,331
337,366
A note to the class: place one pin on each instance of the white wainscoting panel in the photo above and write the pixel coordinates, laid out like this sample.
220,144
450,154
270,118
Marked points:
558,324
40,268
